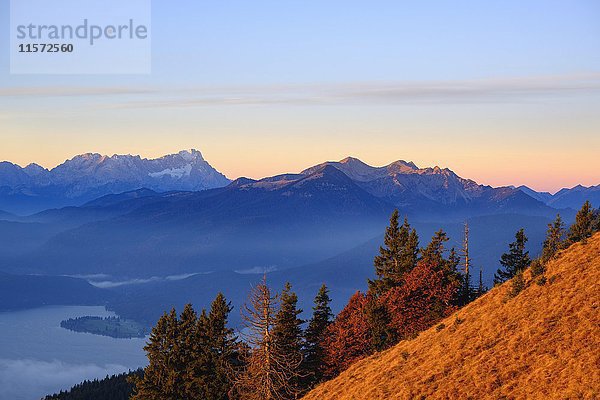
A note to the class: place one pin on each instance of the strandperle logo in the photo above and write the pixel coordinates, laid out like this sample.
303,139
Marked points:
93,33
80,37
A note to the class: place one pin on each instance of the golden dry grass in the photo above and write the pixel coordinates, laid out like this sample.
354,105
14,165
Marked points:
542,344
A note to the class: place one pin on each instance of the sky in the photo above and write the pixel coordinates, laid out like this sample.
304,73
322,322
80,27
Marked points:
502,92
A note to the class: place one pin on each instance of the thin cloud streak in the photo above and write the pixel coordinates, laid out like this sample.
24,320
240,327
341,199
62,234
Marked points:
71,91
351,93
491,90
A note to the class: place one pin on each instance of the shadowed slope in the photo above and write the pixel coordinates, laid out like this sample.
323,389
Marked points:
541,344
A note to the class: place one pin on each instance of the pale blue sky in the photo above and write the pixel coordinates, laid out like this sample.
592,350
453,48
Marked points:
505,92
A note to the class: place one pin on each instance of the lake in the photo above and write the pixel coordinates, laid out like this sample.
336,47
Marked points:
38,357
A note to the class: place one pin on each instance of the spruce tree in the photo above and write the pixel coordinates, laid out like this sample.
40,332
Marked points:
554,239
314,338
201,369
175,384
583,227
287,341
515,261
434,252
149,387
378,318
219,358
163,376
186,335
517,284
398,256
185,351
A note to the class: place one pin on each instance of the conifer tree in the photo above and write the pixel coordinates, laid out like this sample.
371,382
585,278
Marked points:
583,227
190,357
222,350
186,335
517,284
554,239
314,338
398,255
287,341
378,318
266,372
162,377
185,351
150,386
515,261
200,371
434,252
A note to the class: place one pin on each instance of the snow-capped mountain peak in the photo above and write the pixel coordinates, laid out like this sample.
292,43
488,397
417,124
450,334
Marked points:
90,175
191,155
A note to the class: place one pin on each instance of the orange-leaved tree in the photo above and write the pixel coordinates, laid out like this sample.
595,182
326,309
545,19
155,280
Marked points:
348,338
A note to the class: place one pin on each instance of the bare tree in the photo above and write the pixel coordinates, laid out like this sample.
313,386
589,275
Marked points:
466,290
267,375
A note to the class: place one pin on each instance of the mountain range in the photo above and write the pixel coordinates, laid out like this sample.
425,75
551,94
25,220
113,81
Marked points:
566,198
86,177
89,176
159,244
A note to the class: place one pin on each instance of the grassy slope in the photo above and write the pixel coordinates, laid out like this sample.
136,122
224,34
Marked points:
544,343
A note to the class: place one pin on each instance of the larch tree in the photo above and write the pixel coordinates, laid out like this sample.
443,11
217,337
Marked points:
398,255
515,261
314,338
266,373
348,338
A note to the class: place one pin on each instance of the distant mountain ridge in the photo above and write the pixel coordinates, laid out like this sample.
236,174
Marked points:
403,182
88,176
566,198
285,220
